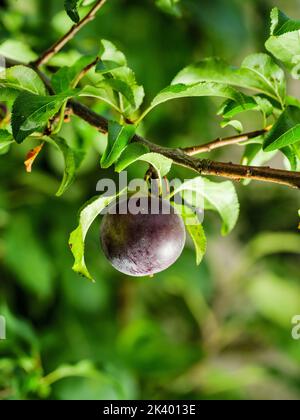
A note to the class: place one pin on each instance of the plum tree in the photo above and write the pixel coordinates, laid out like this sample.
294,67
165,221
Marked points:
145,241
40,98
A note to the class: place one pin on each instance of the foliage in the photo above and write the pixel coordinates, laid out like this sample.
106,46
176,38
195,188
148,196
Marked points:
117,332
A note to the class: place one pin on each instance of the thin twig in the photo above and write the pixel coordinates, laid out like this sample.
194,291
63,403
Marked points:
202,166
85,71
221,142
55,48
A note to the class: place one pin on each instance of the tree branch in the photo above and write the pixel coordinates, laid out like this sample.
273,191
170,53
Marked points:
180,157
221,142
202,166
55,48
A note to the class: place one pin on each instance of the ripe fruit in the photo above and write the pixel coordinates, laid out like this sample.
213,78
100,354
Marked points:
143,243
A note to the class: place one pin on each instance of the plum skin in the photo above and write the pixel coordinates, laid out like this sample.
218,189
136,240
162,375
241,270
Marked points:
143,244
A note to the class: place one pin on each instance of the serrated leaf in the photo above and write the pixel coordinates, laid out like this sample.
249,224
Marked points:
258,72
32,112
222,198
22,78
182,90
6,140
286,130
118,138
65,77
130,154
283,42
71,7
77,238
194,228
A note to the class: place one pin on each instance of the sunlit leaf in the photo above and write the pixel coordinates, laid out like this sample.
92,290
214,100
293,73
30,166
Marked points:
283,42
22,78
258,72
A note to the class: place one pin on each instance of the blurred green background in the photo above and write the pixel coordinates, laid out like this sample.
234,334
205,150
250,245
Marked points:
221,330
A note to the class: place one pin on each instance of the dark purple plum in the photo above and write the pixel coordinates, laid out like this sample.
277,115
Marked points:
143,243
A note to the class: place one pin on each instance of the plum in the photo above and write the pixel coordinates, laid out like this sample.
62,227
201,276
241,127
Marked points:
143,243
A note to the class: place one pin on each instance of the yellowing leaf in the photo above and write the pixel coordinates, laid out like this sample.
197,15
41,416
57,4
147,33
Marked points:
31,156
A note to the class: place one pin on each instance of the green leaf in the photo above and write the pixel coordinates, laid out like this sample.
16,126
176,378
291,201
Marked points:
22,78
252,103
32,112
169,6
119,86
258,72
6,140
101,92
222,198
8,94
230,108
111,58
286,130
72,160
291,156
195,229
237,125
182,90
161,164
126,75
284,40
118,138
121,79
130,154
17,50
65,77
71,7
254,155
77,238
